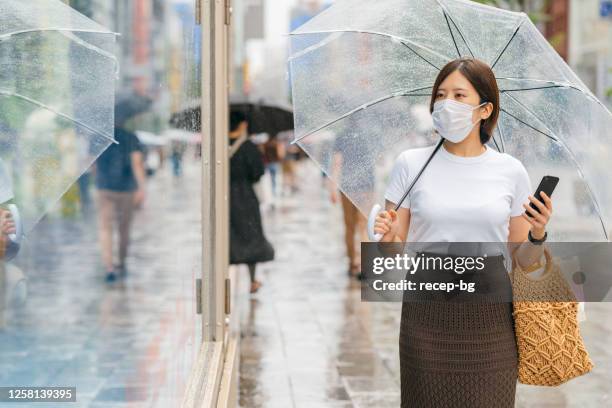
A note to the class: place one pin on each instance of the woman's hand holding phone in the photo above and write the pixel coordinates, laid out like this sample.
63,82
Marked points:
538,212
538,220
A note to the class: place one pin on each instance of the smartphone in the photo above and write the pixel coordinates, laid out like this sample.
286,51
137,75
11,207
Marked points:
547,185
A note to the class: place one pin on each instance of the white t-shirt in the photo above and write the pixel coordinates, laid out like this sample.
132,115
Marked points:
460,199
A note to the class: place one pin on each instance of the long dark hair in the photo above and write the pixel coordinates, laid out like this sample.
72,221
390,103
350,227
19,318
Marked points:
483,80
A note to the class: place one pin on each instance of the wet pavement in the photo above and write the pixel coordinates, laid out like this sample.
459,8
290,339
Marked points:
309,341
128,344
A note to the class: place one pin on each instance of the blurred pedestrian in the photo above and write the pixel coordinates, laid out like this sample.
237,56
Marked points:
152,160
354,232
84,196
84,182
353,169
120,180
248,245
197,153
178,150
288,166
273,154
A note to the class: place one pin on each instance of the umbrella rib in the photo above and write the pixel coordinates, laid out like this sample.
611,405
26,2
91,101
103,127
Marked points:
519,25
527,124
419,55
450,16
314,47
546,81
522,105
451,33
501,138
36,30
557,85
391,36
495,143
70,35
50,109
364,106
531,89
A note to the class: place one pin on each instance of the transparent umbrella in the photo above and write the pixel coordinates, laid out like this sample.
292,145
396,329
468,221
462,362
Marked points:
56,102
362,74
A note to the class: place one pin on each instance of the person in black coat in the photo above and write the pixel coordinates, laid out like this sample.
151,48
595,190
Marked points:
248,245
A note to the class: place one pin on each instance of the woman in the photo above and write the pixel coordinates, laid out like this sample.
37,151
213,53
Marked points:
274,154
288,166
463,354
248,245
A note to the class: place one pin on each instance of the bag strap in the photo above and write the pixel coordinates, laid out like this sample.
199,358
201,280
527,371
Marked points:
234,148
548,266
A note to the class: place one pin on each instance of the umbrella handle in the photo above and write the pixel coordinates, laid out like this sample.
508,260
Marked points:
371,221
16,237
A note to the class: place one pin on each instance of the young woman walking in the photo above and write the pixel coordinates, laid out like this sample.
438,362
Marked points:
459,353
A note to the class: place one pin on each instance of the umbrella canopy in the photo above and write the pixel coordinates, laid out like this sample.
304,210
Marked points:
56,100
364,71
262,118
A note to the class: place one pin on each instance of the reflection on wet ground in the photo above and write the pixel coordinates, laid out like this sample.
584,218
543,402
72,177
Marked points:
129,344
309,341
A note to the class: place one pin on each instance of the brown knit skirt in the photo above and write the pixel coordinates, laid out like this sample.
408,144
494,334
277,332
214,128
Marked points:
459,354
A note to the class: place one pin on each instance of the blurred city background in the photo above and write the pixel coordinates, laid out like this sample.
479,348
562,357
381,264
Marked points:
306,339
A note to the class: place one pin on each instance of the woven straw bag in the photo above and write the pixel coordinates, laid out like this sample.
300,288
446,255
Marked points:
550,348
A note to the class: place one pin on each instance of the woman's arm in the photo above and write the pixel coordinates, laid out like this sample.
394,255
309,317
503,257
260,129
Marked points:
393,225
524,251
403,222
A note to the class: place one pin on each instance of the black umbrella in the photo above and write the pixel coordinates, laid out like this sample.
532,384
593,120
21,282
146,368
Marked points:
261,118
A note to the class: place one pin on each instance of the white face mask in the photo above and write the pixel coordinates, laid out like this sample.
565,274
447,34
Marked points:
453,120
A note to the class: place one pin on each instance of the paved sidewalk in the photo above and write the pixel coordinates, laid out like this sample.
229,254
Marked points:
308,340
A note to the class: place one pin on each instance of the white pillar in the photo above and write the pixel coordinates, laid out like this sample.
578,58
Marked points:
215,201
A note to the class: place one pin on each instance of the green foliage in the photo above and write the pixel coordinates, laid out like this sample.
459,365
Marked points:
537,16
